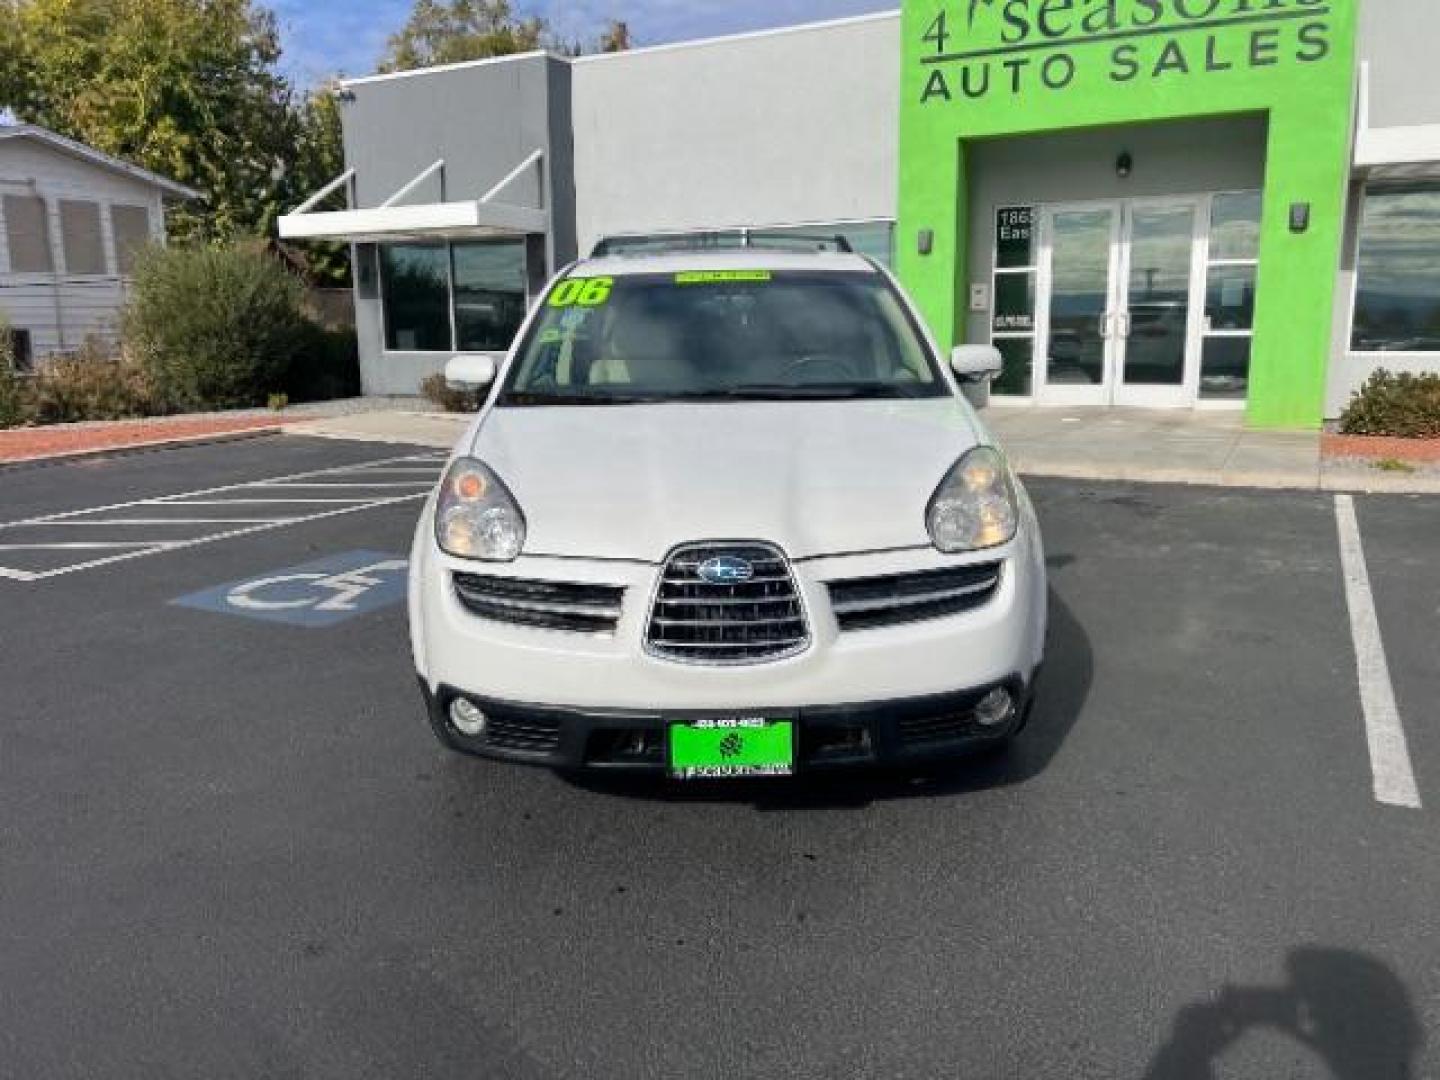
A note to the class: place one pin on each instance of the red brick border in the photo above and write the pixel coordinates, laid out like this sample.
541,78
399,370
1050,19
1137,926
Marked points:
34,444
1380,448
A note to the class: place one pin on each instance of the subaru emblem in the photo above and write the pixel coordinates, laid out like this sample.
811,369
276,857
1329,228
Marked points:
726,570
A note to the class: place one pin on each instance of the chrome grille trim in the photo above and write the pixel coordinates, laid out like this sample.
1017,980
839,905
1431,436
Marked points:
544,605
756,621
895,599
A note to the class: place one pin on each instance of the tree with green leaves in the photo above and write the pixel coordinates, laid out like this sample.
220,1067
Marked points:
187,88
452,31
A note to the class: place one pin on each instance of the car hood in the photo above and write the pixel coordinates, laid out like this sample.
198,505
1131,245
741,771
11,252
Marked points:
814,477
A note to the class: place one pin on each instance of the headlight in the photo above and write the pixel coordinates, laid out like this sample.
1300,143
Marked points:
476,516
974,506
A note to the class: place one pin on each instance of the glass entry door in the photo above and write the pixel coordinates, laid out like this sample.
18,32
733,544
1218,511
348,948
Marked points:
1120,305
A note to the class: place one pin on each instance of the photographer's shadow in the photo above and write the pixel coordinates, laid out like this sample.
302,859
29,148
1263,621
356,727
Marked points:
1350,1010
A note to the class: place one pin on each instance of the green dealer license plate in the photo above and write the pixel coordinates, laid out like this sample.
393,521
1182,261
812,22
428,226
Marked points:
725,747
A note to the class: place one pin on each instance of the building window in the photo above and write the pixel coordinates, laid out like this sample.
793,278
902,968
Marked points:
1012,319
875,239
1232,264
80,233
22,352
489,288
27,230
130,229
463,297
1397,290
416,283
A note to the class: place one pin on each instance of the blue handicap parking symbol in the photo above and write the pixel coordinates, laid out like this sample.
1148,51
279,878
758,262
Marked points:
320,593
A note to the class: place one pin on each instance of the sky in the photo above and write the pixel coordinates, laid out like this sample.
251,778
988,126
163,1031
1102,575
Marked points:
326,37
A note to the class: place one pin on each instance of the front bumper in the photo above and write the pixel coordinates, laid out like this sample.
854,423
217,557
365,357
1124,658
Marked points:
896,732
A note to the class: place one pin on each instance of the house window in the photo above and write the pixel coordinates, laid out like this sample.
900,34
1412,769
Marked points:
457,297
22,351
1397,290
1230,274
130,227
80,231
27,230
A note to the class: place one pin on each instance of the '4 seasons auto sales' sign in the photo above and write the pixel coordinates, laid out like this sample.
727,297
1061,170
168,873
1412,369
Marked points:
976,49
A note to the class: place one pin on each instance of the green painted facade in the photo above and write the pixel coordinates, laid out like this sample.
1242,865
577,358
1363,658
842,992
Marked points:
976,69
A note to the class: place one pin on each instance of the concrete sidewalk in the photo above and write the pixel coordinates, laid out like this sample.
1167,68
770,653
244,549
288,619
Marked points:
408,426
1184,447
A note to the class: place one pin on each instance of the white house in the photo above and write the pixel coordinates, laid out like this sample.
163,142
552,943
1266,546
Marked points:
71,221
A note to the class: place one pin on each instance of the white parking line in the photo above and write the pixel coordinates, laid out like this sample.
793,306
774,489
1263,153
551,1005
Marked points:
367,484
299,509
1394,776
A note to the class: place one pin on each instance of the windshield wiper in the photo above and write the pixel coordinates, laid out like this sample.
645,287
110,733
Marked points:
811,391
535,400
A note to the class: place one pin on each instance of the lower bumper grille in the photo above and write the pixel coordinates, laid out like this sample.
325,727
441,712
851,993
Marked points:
546,605
867,603
524,733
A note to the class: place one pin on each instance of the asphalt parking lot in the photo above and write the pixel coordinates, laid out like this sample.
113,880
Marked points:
229,846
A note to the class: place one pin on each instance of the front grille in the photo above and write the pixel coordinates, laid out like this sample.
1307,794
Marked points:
547,605
866,603
741,622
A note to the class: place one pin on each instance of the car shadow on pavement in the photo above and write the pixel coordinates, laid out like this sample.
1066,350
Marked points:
1350,1010
1062,691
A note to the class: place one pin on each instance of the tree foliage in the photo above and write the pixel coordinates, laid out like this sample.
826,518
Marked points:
452,31
186,88
615,37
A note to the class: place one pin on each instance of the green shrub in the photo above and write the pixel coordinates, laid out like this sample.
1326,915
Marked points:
326,365
1403,404
94,384
215,327
438,392
14,404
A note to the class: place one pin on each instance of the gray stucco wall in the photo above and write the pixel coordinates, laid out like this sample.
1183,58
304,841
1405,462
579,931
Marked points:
788,127
1399,38
483,119
1189,158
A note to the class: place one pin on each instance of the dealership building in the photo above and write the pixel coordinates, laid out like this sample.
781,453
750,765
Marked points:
1189,204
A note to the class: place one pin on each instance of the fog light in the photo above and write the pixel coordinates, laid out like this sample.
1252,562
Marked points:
467,717
995,708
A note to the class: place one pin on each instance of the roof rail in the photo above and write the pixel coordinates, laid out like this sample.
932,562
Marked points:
720,240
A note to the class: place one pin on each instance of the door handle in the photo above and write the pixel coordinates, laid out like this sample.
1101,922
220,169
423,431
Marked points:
1105,324
1124,318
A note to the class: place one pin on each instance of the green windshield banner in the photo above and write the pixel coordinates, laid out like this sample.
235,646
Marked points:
983,69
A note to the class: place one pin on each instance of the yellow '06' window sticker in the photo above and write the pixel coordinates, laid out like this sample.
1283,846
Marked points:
720,277
582,292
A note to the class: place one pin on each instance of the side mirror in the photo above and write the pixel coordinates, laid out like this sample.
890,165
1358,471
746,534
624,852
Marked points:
976,363
470,371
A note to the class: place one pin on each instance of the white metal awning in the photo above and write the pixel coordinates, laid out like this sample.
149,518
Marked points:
393,221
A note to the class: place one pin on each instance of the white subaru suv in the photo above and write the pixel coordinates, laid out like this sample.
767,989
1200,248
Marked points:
726,514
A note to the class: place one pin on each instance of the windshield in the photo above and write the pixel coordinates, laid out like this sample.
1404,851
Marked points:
716,335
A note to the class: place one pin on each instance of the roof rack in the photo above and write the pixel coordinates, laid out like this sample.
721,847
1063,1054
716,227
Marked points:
720,240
